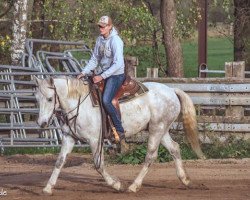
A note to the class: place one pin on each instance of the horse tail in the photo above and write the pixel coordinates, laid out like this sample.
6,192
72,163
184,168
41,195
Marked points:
189,121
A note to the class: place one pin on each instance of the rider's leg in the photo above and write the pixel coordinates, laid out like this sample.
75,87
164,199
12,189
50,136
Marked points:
112,85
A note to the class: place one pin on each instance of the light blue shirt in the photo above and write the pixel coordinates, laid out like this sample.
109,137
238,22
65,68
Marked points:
108,55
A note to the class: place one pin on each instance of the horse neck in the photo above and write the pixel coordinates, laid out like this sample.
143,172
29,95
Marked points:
66,99
62,92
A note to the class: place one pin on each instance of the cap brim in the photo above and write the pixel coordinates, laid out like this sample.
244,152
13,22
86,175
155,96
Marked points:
102,24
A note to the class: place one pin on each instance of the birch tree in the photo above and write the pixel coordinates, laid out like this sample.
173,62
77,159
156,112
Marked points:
19,29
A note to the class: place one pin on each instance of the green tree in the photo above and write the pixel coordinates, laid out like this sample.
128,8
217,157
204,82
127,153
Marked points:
138,22
77,19
242,31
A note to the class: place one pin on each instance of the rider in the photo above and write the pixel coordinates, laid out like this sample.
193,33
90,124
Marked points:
108,55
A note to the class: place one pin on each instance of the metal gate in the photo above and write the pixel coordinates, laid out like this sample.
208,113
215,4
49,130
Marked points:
18,108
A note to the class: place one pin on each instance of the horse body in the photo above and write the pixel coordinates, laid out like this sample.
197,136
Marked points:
154,112
150,109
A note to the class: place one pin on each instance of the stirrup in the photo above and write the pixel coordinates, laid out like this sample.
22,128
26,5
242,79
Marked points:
116,135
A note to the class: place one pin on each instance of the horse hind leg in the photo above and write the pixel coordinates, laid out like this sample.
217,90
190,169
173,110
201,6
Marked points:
67,146
152,153
112,181
174,150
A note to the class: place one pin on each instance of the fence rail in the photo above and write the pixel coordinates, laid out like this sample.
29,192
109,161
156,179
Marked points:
18,108
222,103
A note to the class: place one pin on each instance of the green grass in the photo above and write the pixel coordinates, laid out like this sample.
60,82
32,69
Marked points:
236,149
230,149
40,150
220,50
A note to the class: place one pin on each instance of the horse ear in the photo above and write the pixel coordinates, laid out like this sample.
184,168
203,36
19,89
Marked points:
51,81
37,80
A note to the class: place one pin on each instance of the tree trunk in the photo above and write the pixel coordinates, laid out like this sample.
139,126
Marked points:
155,46
242,31
171,42
19,30
38,22
38,18
9,6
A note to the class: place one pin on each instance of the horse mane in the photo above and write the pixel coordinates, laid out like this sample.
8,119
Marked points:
76,87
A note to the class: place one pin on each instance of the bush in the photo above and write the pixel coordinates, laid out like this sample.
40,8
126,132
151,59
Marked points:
5,44
236,149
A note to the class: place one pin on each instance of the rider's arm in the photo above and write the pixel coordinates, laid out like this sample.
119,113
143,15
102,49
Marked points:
94,60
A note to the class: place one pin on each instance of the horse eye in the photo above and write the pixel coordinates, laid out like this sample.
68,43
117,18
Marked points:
49,99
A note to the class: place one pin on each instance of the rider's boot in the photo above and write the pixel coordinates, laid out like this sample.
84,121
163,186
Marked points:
124,147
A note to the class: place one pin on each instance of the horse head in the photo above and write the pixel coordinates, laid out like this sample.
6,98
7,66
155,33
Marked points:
63,92
46,96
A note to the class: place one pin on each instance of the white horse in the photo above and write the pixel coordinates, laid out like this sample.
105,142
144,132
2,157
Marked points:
154,112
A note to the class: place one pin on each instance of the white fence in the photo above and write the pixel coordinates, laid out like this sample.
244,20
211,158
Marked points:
222,103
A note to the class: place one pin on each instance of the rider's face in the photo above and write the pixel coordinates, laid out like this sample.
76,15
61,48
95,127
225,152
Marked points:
105,30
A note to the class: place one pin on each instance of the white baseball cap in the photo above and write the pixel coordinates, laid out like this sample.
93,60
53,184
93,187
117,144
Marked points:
104,21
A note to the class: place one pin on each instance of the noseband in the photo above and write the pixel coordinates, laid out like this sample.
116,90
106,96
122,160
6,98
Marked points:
54,108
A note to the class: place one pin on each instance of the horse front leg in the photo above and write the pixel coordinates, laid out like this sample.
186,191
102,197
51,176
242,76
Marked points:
67,146
112,181
152,152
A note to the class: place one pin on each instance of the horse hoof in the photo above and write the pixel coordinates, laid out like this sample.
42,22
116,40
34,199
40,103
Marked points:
133,188
197,186
118,186
47,191
186,181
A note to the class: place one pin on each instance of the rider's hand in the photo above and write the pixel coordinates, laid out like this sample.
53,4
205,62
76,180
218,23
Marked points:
80,76
97,79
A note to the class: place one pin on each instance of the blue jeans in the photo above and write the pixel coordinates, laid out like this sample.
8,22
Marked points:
112,85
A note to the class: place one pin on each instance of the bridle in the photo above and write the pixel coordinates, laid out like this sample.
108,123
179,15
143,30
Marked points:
64,117
54,108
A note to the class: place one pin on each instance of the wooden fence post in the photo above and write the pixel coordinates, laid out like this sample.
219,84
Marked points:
235,70
239,69
228,69
131,63
152,72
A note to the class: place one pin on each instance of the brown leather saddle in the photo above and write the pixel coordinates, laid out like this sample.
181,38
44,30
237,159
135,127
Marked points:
129,90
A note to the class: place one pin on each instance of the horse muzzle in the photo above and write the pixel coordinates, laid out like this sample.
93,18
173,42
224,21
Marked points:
43,124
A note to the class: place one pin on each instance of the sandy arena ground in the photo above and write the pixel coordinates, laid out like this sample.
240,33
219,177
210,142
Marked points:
24,176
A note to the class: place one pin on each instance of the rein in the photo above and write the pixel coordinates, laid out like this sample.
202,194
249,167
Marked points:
65,119
64,116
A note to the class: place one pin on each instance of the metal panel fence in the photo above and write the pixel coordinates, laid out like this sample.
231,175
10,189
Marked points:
18,109
222,103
